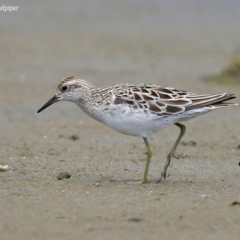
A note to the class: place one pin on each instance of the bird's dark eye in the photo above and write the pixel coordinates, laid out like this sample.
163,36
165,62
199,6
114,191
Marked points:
64,88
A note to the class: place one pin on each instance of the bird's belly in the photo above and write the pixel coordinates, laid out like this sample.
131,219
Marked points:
141,124
136,123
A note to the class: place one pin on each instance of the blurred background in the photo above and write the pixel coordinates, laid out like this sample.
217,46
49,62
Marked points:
166,42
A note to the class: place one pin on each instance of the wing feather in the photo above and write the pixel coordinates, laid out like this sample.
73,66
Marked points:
164,101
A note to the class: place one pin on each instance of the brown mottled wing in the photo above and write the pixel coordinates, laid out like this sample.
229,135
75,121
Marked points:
152,98
165,101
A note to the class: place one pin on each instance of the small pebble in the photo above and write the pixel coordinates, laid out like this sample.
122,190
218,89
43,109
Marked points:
74,137
135,219
3,168
234,203
63,160
63,175
190,143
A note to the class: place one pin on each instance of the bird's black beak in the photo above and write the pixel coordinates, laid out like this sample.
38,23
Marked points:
50,102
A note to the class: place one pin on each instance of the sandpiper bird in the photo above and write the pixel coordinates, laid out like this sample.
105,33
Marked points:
139,109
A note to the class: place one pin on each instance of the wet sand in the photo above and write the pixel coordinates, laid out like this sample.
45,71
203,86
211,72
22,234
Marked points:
106,42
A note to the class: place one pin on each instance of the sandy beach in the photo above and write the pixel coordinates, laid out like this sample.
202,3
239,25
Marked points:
171,43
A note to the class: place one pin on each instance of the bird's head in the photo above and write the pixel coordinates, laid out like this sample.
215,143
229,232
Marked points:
70,89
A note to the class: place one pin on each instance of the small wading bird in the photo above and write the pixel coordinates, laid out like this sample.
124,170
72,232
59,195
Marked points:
139,109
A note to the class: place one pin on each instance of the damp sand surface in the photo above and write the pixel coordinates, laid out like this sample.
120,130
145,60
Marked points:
70,177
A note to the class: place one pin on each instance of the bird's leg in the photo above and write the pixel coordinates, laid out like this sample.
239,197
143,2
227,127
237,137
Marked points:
149,156
170,165
172,152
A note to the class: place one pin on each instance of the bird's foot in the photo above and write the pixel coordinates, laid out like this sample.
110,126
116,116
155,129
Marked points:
145,181
174,155
163,176
165,173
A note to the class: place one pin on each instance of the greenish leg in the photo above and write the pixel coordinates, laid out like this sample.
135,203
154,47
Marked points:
149,156
172,152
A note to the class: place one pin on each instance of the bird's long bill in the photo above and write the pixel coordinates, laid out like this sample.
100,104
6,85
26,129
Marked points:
48,103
